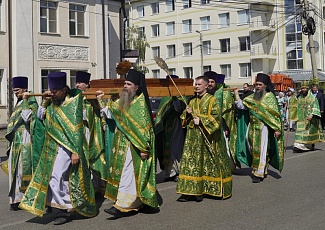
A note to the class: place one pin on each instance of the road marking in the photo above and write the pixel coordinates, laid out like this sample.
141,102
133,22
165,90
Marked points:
12,224
300,155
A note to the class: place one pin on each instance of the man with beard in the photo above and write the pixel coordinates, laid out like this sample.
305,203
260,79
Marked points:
21,127
62,179
216,87
93,146
308,126
131,180
260,132
205,166
170,135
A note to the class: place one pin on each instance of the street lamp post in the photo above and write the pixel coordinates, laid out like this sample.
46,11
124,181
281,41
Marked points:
201,50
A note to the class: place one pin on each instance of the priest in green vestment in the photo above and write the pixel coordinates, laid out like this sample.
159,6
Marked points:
170,135
260,129
131,180
226,101
205,165
22,158
308,121
93,146
62,178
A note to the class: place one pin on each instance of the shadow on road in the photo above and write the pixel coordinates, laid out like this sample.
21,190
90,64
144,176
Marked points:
248,172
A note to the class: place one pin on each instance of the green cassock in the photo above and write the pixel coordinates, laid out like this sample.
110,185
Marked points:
133,129
63,126
205,164
165,127
265,112
227,103
308,132
95,149
29,152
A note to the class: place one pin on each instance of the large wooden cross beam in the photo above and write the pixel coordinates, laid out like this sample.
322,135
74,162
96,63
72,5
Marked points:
156,87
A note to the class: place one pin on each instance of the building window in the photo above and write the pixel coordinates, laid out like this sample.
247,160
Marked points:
187,26
170,5
140,10
206,68
171,51
141,31
44,82
188,72
155,30
187,4
205,23
77,19
245,69
204,2
206,47
172,71
293,36
48,11
226,70
170,28
155,52
244,43
224,20
155,8
187,49
243,17
225,45
156,73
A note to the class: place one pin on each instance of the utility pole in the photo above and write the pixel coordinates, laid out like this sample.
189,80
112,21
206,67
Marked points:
309,31
201,50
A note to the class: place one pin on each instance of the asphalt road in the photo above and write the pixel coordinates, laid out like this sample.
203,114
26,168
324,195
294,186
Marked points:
292,199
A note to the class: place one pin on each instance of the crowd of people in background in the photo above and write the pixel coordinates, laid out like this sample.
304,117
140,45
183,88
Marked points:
65,150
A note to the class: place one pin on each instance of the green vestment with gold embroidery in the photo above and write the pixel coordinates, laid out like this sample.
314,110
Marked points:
133,130
164,127
227,103
94,148
28,152
205,165
63,127
263,112
308,132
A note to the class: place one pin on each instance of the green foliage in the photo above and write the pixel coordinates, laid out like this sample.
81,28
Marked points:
314,81
137,40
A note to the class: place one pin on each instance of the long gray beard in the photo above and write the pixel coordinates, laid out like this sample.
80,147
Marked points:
126,99
258,95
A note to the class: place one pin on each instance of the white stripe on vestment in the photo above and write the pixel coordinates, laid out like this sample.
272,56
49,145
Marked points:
127,197
58,195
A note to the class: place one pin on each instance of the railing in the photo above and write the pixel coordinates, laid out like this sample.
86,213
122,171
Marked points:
263,50
262,23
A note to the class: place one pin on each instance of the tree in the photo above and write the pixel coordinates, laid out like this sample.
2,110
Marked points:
136,39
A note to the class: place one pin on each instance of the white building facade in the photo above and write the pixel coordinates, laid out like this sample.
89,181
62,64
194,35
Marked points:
237,38
39,37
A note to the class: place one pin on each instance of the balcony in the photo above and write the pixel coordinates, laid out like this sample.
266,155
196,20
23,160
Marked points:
262,51
264,2
258,24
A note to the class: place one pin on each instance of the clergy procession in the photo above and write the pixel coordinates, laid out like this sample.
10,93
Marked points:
69,151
